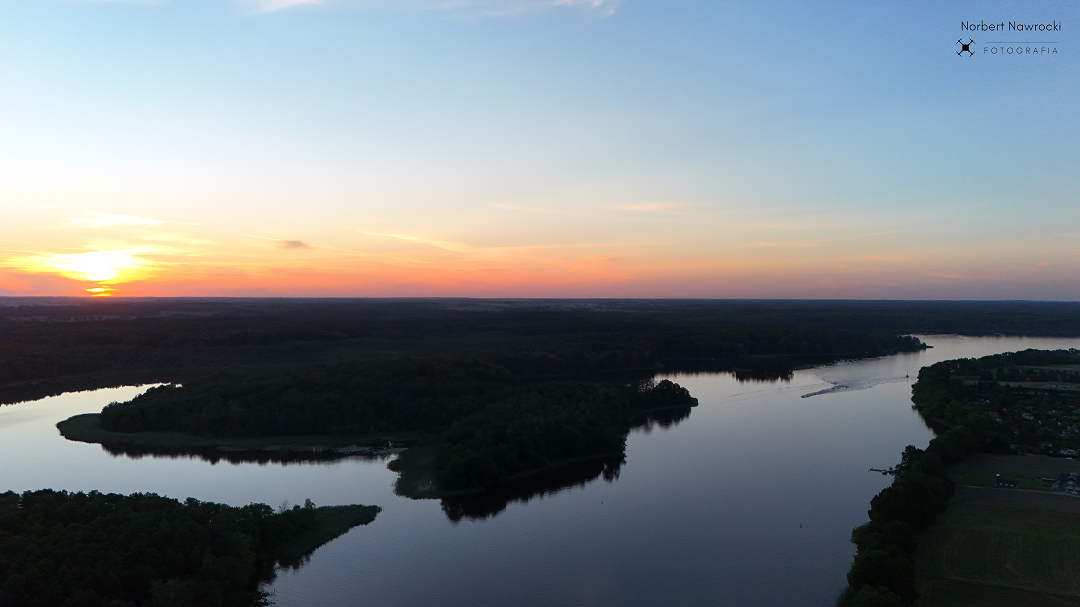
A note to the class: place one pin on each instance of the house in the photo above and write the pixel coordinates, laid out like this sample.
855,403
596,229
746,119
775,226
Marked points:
1067,483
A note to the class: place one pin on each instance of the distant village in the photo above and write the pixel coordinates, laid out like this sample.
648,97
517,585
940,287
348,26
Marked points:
1039,407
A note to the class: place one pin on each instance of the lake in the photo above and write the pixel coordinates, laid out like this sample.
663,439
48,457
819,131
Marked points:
749,501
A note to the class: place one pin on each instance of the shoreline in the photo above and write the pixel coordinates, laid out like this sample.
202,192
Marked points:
414,463
86,428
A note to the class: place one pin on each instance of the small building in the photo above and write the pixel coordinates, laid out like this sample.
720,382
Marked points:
1000,481
1067,483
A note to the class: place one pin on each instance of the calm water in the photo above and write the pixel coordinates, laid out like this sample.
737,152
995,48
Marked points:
749,501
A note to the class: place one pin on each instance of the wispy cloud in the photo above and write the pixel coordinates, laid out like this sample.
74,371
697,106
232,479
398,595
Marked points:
525,209
460,247
271,6
795,244
299,244
601,8
817,242
891,259
457,247
294,244
105,220
509,7
652,206
146,2
176,238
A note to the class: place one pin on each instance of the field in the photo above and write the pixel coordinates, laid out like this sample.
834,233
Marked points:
1012,466
1029,471
1003,546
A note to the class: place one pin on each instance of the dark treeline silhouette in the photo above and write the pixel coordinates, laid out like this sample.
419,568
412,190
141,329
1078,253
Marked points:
107,550
491,425
53,344
954,404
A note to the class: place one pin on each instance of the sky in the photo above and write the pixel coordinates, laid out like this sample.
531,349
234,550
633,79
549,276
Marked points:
539,148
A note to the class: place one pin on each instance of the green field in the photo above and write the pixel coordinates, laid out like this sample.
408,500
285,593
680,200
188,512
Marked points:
988,549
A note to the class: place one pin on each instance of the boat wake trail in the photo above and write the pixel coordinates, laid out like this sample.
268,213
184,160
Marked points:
853,385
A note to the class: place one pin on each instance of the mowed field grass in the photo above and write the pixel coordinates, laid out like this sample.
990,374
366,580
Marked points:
1002,547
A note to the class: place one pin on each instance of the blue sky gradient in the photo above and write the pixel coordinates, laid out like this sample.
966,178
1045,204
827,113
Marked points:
683,149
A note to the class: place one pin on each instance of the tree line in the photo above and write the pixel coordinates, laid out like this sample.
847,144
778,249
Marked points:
174,340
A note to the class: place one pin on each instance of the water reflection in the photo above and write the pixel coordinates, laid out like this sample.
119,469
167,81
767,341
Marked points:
664,418
284,456
479,506
763,375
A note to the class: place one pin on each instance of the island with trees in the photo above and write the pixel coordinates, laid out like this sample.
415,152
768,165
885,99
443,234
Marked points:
471,424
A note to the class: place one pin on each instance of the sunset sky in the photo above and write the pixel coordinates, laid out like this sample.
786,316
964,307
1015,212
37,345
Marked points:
538,148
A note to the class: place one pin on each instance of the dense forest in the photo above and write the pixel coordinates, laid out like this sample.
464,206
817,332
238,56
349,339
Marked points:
490,424
48,345
956,399
106,550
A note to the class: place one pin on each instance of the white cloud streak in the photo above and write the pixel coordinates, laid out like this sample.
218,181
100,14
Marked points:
512,7
272,6
105,220
652,206
602,8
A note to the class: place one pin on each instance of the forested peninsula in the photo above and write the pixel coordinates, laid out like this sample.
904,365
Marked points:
472,424
1021,402
105,550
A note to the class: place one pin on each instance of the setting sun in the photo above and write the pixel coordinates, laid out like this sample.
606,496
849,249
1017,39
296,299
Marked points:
101,267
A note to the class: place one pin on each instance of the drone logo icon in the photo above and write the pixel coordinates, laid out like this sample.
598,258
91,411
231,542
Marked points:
965,47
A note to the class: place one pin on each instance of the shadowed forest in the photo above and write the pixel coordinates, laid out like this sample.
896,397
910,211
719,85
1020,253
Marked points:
60,548
52,345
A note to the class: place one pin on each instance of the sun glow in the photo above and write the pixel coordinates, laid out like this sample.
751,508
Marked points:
104,268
